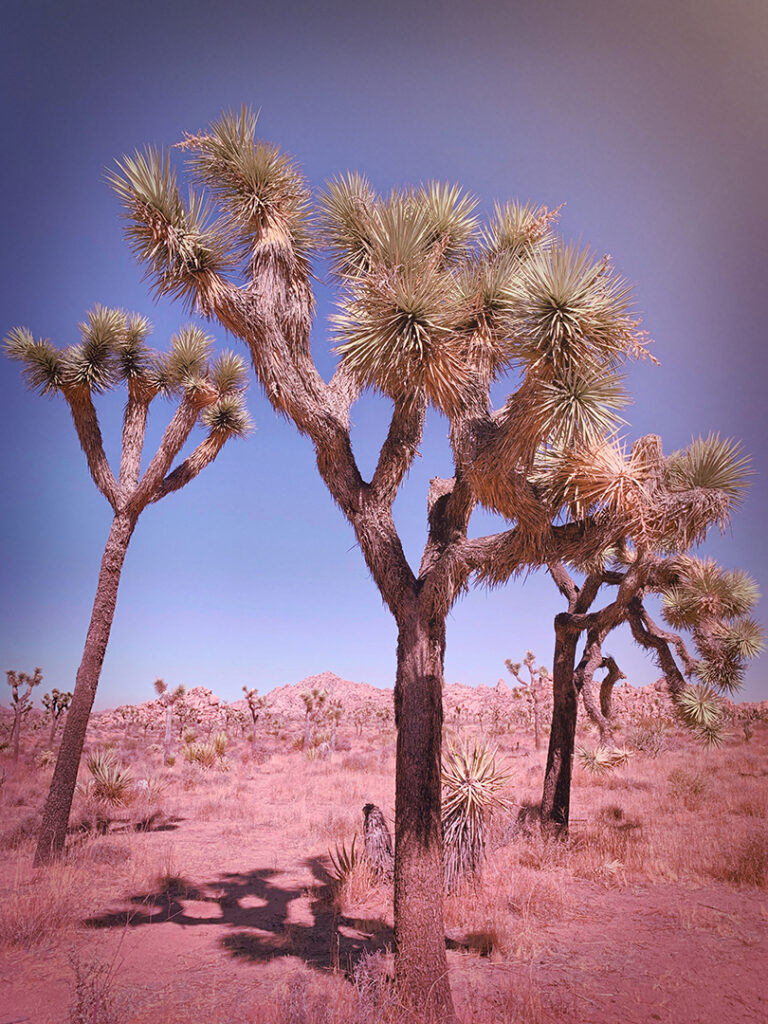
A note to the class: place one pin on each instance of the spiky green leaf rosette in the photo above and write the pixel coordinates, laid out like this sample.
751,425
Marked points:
471,783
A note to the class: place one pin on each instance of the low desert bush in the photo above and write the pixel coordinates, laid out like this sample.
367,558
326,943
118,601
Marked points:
93,1000
25,829
745,862
35,910
687,787
650,736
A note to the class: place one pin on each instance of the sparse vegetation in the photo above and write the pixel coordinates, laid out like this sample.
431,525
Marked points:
673,825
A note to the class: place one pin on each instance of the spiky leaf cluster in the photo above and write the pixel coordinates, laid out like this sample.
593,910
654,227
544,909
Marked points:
110,783
259,189
714,604
701,709
572,310
472,781
183,251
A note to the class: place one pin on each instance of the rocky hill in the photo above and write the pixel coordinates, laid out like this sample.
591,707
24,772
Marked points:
461,702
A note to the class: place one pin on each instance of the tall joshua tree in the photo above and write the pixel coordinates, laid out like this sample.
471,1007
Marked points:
433,308
113,351
668,505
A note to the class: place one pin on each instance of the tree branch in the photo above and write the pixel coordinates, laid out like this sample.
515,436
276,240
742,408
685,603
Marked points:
89,434
648,635
400,448
176,433
134,429
187,470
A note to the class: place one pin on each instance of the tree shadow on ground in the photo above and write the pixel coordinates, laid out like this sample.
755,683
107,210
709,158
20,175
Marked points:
254,914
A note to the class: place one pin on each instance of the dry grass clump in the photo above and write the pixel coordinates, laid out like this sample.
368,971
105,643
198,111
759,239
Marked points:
33,911
688,788
744,863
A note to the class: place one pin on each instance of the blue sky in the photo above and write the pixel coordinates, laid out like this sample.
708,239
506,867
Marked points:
647,119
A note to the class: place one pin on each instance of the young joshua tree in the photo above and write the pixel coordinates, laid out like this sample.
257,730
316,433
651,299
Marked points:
56,703
168,699
433,309
113,351
538,677
673,501
21,703
256,705
314,702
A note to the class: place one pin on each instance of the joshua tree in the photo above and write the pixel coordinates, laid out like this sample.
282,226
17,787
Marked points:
169,700
433,309
56,703
256,705
113,351
673,502
538,678
314,701
21,703
334,713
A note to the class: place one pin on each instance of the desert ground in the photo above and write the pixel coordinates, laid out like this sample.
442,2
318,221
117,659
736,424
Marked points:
210,891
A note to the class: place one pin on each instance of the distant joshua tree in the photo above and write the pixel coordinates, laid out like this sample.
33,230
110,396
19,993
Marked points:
21,703
56,703
334,713
314,701
538,677
169,699
256,705
112,351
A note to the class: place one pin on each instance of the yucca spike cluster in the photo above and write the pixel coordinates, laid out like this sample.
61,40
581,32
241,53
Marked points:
472,781
113,349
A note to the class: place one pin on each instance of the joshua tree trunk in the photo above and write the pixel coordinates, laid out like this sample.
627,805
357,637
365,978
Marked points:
536,737
59,802
555,803
16,739
421,966
168,725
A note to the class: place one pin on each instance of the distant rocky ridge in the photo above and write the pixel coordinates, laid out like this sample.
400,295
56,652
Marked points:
473,702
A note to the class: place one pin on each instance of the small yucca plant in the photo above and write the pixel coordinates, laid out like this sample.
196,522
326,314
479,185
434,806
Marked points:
343,862
471,783
602,760
220,741
204,754
110,783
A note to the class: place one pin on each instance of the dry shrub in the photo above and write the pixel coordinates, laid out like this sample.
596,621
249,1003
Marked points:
93,1001
359,762
687,787
745,862
18,834
36,910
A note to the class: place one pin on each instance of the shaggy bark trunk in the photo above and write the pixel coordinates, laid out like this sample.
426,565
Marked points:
58,804
556,797
421,966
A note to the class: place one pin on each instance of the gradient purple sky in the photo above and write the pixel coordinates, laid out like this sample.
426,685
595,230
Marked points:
648,119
